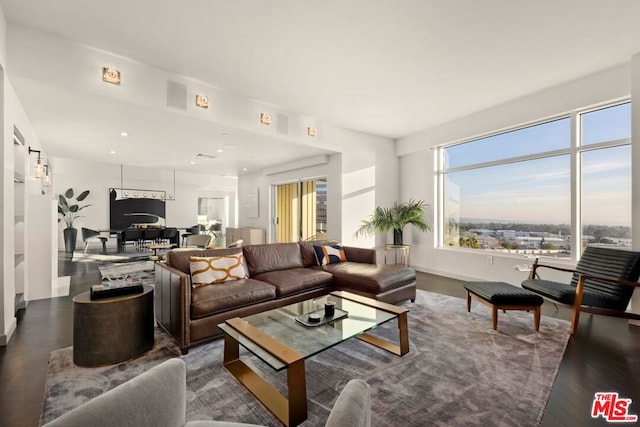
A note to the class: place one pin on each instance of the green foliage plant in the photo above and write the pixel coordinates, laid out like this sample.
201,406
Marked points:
395,218
69,208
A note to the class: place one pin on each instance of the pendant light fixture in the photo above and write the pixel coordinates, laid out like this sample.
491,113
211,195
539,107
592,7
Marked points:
38,168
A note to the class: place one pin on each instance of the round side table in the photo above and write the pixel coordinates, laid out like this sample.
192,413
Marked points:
403,251
112,330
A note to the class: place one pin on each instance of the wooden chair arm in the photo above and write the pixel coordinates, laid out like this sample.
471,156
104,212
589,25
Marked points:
535,266
605,279
586,276
577,301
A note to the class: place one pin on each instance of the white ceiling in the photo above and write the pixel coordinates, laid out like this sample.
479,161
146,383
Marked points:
389,68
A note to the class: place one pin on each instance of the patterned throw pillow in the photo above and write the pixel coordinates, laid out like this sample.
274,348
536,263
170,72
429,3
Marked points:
332,254
217,269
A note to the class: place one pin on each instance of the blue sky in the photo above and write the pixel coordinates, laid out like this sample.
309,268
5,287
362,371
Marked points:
539,190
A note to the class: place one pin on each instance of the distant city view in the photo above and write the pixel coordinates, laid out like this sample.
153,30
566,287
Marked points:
515,191
534,239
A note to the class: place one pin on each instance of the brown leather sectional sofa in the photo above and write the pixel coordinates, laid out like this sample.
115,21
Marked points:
279,274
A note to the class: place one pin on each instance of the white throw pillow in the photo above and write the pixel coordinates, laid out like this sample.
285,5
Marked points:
216,269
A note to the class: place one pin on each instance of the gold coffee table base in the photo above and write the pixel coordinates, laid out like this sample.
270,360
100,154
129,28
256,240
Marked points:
403,328
292,410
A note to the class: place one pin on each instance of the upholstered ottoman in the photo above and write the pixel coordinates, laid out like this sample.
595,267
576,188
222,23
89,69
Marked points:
503,296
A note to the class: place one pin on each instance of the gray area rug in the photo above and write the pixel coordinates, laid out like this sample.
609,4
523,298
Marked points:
459,371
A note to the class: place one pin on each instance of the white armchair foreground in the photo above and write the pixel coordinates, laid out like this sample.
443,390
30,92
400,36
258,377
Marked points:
158,398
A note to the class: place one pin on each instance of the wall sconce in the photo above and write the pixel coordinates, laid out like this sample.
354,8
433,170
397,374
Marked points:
46,178
202,101
265,118
111,75
38,168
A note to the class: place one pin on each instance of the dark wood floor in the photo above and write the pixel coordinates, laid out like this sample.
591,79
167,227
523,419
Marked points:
603,356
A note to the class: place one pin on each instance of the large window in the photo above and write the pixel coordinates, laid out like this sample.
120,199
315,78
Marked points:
301,211
541,189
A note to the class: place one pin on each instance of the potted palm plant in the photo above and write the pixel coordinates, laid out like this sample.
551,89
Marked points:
69,210
395,219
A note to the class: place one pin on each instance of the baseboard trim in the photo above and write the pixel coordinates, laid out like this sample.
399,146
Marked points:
6,337
446,274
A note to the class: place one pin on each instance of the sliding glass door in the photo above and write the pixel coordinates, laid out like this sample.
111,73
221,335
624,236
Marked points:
301,212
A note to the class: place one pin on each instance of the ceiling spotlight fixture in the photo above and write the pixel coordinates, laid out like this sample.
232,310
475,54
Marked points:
111,75
112,152
206,156
223,134
311,131
244,169
192,162
265,118
220,150
202,101
124,134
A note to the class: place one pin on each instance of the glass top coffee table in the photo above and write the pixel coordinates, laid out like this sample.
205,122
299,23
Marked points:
281,342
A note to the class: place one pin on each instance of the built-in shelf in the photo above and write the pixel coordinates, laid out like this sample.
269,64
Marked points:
20,156
18,138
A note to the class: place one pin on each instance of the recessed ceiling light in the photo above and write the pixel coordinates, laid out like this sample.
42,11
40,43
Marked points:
244,169
112,152
265,118
311,131
223,134
123,133
206,156
220,150
202,101
192,162
111,75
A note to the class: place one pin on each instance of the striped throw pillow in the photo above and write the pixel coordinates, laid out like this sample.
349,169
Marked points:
331,254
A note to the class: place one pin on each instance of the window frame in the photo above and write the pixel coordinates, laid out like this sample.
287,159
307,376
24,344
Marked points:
574,151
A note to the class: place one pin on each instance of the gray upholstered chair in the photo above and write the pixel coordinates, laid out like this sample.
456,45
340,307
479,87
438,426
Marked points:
158,398
198,240
93,236
238,243
190,231
602,283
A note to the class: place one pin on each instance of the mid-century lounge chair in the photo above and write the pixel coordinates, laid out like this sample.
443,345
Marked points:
198,240
602,283
93,236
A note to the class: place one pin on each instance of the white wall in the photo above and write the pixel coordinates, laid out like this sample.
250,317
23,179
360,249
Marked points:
364,175
12,113
290,172
145,84
417,178
635,171
40,265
